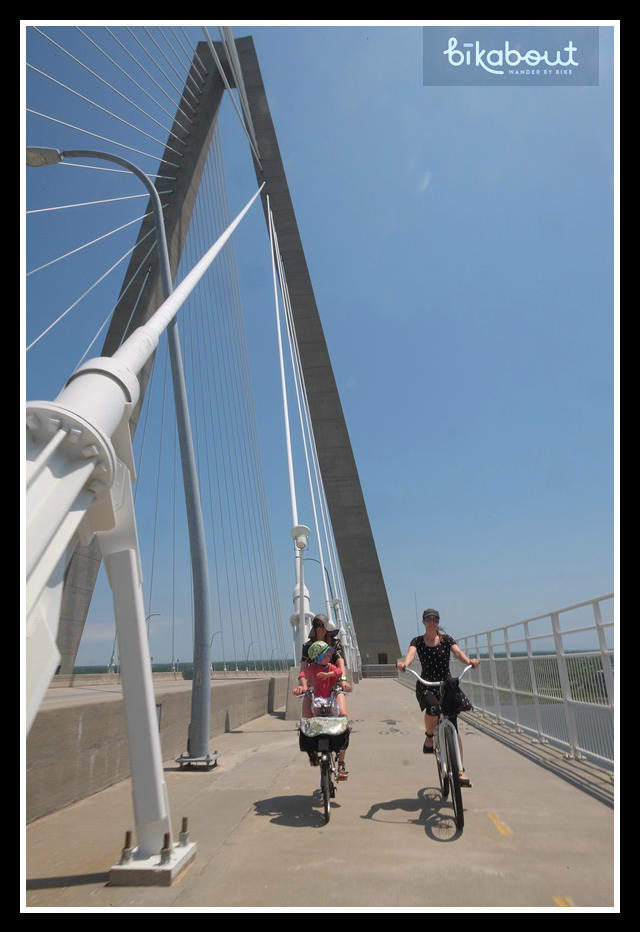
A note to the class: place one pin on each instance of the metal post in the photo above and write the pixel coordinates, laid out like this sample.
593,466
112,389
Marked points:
607,668
534,682
494,677
565,683
507,648
198,741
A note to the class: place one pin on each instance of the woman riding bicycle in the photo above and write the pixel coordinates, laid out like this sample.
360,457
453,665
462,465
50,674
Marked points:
433,649
322,677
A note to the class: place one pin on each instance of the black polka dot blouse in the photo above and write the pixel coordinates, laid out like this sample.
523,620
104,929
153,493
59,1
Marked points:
435,667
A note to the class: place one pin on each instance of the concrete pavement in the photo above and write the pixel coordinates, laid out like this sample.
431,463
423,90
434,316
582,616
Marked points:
536,835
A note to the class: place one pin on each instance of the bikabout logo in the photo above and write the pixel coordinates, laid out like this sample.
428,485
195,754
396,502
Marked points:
505,55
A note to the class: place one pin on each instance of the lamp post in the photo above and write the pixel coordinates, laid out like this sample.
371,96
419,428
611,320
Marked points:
326,573
219,631
246,663
152,615
198,740
112,662
300,534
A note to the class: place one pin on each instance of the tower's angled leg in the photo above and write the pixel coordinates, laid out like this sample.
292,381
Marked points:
359,562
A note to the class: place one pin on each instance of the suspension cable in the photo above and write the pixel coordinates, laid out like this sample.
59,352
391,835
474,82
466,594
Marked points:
121,145
126,73
100,107
106,83
85,293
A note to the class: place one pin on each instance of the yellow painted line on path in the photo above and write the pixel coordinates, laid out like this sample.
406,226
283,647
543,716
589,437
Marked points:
502,828
563,901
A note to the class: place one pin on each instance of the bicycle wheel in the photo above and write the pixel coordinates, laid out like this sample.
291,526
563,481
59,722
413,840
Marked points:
325,786
443,776
454,776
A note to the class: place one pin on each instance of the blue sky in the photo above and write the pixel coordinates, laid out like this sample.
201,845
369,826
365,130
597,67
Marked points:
460,243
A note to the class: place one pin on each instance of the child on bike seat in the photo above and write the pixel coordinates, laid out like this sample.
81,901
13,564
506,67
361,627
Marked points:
321,675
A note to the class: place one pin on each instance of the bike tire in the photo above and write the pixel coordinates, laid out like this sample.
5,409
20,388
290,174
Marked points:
443,776
325,786
454,777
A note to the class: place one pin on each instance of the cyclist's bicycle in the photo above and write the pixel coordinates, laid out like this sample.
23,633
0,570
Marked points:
447,754
324,734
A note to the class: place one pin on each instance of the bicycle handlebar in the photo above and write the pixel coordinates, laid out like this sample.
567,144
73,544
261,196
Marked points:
439,682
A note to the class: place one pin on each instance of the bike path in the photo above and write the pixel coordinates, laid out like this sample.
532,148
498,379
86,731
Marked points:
531,839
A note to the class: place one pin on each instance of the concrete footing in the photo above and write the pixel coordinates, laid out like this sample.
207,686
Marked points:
152,871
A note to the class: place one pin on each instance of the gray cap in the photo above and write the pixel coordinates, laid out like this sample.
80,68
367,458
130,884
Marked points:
431,611
326,623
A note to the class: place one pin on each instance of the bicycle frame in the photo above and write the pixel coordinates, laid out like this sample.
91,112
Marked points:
446,747
327,757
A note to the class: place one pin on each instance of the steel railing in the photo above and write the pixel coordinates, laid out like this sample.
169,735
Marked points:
550,677
377,670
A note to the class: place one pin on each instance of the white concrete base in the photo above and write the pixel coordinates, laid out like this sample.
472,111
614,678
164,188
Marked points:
148,872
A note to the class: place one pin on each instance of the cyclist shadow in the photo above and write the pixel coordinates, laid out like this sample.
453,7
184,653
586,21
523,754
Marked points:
432,811
294,811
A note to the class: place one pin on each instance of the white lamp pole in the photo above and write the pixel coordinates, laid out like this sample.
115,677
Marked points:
300,534
200,697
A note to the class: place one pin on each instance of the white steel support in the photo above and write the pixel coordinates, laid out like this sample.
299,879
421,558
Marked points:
120,553
155,859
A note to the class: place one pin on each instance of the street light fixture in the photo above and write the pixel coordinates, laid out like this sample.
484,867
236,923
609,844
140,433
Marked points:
198,741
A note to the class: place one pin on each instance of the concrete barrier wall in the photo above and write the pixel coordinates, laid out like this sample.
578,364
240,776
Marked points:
79,749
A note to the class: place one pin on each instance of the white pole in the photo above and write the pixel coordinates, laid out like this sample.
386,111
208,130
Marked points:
298,532
287,433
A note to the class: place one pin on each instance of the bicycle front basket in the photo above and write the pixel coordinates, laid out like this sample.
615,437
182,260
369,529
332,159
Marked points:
325,725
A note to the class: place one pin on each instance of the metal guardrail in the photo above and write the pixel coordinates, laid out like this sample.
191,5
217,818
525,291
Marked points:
550,677
370,670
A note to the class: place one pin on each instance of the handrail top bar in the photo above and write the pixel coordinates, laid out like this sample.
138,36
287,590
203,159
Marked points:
557,611
536,637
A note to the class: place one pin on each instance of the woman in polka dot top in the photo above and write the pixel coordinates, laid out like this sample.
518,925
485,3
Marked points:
433,649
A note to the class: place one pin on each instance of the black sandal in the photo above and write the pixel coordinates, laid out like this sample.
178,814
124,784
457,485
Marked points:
425,749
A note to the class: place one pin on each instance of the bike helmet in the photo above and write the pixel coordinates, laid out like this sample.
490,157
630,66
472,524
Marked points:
318,649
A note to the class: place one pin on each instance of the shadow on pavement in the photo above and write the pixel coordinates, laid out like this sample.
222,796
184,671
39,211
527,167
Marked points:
294,811
73,880
433,812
